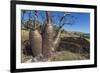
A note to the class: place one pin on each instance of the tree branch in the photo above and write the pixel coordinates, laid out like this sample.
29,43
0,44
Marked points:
65,14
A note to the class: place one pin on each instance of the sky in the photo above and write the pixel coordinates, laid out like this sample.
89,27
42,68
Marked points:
80,22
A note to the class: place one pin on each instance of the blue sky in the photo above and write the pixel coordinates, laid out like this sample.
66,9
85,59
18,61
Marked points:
80,21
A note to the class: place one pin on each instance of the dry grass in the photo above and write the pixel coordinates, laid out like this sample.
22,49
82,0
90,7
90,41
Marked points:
24,35
67,55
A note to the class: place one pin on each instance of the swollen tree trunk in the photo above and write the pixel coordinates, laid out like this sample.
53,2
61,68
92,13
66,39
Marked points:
35,39
47,37
35,42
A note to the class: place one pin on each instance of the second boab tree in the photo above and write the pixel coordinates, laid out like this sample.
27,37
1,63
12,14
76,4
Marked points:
47,37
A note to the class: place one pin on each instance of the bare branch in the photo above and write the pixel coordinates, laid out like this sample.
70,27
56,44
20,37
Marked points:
63,17
36,16
22,17
48,17
68,22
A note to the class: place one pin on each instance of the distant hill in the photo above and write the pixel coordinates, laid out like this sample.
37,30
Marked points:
74,34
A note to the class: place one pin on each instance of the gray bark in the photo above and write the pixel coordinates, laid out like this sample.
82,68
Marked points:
56,40
35,42
47,44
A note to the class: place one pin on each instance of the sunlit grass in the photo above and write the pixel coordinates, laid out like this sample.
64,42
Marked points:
67,55
24,35
87,39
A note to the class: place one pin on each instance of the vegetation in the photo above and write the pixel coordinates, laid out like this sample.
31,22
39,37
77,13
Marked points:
67,55
43,41
65,51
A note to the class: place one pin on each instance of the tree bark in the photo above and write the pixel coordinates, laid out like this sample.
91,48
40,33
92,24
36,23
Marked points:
56,40
47,44
35,42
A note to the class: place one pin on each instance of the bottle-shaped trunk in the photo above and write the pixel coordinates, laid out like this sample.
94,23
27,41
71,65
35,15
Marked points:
47,41
35,42
47,38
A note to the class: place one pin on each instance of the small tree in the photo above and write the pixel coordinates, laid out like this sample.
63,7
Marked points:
61,23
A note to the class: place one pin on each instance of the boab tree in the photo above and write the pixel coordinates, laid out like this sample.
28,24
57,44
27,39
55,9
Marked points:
61,22
47,42
35,38
47,37
51,39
